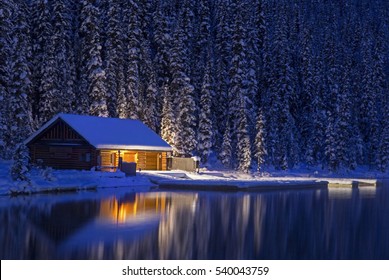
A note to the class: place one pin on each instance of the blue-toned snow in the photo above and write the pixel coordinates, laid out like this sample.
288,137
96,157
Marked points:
47,180
112,133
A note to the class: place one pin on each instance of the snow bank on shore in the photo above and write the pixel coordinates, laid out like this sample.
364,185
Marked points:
44,180
47,180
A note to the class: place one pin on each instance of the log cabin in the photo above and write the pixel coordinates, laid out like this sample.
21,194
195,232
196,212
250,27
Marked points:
70,141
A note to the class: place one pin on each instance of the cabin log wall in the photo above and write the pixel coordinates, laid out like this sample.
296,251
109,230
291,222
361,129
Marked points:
61,147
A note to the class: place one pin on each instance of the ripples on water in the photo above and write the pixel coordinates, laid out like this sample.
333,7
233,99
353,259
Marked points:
311,224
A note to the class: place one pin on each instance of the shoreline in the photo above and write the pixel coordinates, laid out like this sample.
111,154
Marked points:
180,180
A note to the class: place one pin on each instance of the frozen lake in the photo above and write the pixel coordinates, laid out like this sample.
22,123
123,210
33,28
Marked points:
338,223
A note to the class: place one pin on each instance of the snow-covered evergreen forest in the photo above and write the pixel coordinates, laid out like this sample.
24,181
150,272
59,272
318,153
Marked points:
276,82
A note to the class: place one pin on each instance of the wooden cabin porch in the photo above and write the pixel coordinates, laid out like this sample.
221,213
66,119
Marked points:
108,160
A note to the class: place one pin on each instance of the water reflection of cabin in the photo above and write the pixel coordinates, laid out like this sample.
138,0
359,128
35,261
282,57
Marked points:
83,142
133,206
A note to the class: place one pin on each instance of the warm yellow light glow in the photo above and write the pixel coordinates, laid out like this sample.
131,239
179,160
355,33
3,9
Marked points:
143,204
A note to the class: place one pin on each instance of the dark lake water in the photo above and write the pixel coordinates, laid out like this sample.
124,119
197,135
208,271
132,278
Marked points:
307,224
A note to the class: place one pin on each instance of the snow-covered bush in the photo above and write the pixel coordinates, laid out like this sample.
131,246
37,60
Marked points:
47,174
20,167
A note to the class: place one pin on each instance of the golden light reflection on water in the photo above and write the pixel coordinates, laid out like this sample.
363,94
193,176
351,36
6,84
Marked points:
340,193
142,206
367,192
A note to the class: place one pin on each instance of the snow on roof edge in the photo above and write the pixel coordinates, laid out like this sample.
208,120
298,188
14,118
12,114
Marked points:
133,147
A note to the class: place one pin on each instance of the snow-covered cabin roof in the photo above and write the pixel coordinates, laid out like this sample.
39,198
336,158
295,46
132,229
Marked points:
111,133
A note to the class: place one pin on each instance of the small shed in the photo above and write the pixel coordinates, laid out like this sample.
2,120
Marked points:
69,141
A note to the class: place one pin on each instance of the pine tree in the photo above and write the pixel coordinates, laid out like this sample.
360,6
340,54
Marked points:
314,150
93,75
185,138
239,96
226,148
152,105
162,41
133,60
205,133
114,60
260,150
64,50
187,31
344,142
331,92
181,88
49,98
282,134
222,66
243,148
6,27
368,120
168,122
383,151
20,88
201,46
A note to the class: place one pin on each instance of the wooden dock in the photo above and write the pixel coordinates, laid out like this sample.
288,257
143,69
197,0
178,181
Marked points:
181,181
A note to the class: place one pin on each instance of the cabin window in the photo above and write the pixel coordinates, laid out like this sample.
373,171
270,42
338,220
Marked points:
85,157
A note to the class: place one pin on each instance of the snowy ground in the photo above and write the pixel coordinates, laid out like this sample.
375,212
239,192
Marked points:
69,180
73,180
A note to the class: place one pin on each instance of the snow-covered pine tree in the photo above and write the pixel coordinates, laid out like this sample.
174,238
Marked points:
257,37
20,167
49,97
331,92
380,85
222,65
6,27
133,41
205,133
260,150
383,151
64,50
92,73
243,147
379,78
162,45
185,138
282,143
253,56
238,92
168,121
343,141
225,155
201,39
121,64
44,70
368,119
186,18
114,61
181,88
20,87
314,148
152,105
